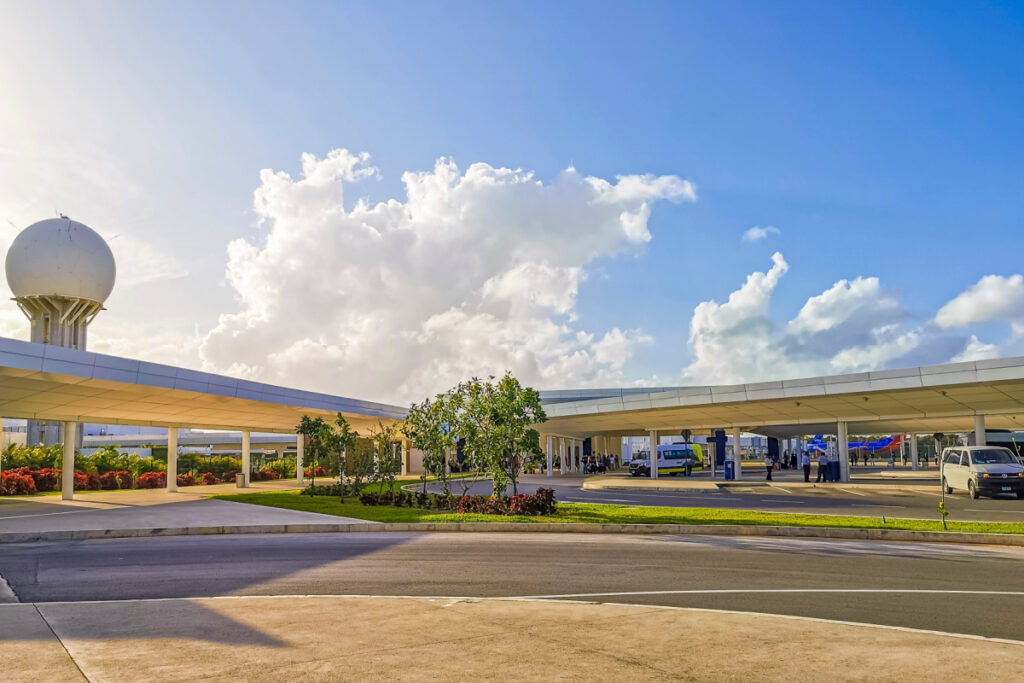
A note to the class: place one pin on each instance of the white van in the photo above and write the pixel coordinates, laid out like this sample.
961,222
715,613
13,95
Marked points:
672,459
982,471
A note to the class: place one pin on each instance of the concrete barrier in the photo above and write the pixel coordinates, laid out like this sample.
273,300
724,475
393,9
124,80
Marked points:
528,527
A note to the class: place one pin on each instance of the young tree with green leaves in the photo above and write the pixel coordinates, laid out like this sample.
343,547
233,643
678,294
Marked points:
317,434
496,423
345,439
430,426
383,437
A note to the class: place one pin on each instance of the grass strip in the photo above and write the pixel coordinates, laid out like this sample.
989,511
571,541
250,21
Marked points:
599,513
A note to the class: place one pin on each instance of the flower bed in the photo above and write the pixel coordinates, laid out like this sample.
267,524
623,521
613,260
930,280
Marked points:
22,481
525,504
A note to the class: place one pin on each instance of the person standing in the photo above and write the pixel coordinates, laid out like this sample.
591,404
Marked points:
822,467
805,461
769,464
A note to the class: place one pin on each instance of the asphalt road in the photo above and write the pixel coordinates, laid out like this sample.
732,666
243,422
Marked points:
832,499
938,587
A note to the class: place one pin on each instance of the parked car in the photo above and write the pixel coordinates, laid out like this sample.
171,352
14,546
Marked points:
982,471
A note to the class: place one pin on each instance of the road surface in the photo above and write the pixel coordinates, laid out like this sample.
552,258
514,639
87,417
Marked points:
959,589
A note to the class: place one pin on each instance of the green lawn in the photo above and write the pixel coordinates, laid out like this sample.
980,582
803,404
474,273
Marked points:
611,514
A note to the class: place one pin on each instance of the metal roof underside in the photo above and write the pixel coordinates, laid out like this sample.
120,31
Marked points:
43,382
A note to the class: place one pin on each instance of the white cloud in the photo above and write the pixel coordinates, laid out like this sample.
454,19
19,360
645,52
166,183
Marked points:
993,297
140,262
756,233
474,272
853,326
977,350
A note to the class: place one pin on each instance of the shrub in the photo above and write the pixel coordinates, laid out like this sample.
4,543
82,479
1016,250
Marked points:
152,480
12,484
229,477
209,479
46,479
318,471
186,480
527,504
323,490
116,480
87,482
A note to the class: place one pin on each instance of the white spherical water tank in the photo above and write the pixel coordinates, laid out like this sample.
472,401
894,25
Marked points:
63,258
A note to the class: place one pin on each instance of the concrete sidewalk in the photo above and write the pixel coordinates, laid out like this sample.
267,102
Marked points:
340,638
788,480
149,509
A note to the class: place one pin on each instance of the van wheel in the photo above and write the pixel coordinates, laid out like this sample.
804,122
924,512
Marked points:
972,489
946,486
1020,494
673,473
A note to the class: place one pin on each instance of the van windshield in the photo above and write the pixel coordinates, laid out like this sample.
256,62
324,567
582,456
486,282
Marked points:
992,456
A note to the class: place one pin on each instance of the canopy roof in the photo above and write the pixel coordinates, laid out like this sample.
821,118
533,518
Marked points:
937,398
44,382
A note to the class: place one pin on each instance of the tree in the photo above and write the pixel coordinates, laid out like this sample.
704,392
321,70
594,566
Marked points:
383,437
430,426
317,434
345,439
496,423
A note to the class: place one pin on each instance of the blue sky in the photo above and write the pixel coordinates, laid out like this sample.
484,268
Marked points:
881,139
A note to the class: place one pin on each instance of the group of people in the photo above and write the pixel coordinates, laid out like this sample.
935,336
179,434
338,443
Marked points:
789,460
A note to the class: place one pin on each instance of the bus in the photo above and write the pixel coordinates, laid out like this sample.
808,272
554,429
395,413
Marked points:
672,459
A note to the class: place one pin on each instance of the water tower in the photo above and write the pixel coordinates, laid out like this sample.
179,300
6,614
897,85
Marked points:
60,272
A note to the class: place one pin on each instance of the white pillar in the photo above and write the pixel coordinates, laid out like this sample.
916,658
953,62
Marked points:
737,445
67,487
172,459
913,452
246,457
561,455
979,431
549,450
579,455
300,451
653,454
405,459
844,451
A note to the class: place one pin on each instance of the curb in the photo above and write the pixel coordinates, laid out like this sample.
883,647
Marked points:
489,527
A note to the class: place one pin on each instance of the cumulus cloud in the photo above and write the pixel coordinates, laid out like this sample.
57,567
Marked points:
993,297
756,233
853,326
473,272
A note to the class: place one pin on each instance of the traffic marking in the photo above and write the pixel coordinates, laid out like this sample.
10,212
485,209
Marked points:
854,492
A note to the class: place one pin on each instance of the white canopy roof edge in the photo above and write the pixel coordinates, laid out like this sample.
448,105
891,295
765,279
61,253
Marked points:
930,398
45,382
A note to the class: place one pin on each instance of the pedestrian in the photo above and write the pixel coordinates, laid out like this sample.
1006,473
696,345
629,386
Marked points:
822,467
793,464
805,461
769,464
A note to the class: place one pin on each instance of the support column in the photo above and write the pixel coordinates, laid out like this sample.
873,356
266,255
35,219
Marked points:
67,487
549,451
979,431
172,459
913,452
737,445
561,455
300,451
405,459
572,456
652,453
246,457
844,451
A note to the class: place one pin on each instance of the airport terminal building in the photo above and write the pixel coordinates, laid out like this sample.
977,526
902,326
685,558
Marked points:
60,272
